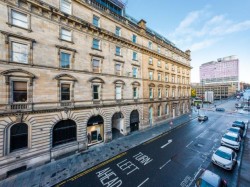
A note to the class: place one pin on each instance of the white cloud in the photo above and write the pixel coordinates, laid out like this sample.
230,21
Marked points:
201,29
203,44
245,25
191,18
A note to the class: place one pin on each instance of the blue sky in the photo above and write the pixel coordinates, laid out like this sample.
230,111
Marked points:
211,29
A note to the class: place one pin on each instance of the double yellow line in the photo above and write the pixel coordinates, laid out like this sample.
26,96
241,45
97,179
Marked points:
90,170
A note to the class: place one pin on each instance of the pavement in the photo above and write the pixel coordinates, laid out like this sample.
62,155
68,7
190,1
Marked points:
244,180
58,170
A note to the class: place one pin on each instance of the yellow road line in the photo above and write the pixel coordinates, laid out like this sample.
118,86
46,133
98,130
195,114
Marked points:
91,169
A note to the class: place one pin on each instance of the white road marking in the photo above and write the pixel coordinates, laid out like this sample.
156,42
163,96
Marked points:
169,142
143,182
189,144
198,135
197,173
165,164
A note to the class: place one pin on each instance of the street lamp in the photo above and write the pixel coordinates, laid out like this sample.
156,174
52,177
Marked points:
202,95
248,103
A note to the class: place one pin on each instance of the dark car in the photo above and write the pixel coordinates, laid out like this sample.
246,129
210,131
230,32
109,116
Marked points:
239,124
210,179
220,109
236,130
202,118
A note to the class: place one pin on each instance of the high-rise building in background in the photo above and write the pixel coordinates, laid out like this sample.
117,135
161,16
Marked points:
224,70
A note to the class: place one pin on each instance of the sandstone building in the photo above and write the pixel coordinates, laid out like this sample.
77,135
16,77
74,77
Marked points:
75,73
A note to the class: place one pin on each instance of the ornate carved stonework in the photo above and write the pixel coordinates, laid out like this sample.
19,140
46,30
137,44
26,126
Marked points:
19,117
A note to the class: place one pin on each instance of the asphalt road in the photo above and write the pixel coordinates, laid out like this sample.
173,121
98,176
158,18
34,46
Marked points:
170,160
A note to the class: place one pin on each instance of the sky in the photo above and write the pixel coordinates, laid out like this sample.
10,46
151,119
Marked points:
211,29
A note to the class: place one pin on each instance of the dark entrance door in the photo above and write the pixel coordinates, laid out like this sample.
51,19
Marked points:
117,125
134,121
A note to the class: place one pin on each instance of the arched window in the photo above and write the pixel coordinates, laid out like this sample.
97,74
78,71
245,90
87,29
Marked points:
134,121
159,111
18,136
64,132
166,109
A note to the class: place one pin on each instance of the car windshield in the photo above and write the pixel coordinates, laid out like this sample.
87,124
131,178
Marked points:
234,130
204,184
230,138
223,154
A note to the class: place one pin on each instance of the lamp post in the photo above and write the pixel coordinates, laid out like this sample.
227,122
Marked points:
248,103
202,95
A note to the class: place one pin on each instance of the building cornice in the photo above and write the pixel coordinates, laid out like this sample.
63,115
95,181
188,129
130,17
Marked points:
47,11
92,106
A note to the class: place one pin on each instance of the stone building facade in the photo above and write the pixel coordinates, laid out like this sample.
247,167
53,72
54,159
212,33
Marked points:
74,73
220,91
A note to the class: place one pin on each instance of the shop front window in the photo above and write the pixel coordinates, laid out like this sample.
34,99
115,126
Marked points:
95,130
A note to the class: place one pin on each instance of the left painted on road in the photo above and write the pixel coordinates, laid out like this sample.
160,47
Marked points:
81,174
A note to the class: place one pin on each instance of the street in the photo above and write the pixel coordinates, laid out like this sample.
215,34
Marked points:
172,159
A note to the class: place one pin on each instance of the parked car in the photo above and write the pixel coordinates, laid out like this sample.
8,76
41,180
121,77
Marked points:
210,179
246,108
240,124
220,109
238,105
236,130
231,140
202,118
224,157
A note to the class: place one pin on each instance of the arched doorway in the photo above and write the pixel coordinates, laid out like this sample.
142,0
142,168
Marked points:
18,137
117,125
134,121
64,132
95,130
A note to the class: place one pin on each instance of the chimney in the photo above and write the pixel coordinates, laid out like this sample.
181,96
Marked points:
142,24
188,52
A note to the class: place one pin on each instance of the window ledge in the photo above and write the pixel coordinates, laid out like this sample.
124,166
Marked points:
14,62
119,100
118,55
138,65
15,106
96,49
59,147
135,60
17,153
12,25
97,101
66,40
66,103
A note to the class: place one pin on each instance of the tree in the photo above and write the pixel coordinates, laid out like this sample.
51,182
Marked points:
193,93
